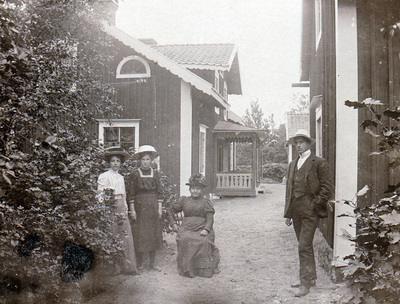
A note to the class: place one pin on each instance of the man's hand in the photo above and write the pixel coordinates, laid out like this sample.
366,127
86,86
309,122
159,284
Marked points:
204,232
288,221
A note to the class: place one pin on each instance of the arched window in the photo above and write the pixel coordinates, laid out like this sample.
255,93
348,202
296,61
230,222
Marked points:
133,67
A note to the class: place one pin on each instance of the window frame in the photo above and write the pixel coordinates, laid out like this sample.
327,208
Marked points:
137,75
202,149
118,123
317,22
216,81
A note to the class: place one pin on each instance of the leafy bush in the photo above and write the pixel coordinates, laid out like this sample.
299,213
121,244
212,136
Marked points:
275,171
373,272
48,164
56,205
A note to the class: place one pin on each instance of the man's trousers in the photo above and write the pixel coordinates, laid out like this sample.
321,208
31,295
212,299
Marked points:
305,222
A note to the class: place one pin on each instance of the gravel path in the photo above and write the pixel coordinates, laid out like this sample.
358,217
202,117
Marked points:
258,262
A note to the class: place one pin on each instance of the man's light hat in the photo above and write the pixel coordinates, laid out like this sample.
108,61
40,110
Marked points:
301,133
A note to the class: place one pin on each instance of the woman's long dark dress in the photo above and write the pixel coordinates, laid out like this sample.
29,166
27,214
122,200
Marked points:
197,254
145,188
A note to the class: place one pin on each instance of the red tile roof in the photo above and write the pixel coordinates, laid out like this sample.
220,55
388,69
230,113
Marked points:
200,56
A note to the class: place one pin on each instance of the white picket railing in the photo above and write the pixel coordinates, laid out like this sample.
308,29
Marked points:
236,180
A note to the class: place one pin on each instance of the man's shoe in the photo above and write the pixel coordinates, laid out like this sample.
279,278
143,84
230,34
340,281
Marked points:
155,268
302,291
313,283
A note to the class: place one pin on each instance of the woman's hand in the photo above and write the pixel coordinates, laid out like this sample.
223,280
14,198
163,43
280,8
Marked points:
204,232
160,209
132,215
175,228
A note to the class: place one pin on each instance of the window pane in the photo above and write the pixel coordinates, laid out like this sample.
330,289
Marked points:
127,137
111,136
133,67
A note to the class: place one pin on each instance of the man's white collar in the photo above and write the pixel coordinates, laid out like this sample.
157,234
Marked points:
305,154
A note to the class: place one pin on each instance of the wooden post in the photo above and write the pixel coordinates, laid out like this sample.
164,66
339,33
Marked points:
254,162
215,167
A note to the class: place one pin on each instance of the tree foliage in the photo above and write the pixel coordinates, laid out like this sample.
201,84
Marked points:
274,146
373,272
53,56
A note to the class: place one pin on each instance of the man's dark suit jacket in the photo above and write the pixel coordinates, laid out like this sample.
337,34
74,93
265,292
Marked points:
318,181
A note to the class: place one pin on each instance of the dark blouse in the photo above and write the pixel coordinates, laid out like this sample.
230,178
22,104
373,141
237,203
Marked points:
199,207
144,181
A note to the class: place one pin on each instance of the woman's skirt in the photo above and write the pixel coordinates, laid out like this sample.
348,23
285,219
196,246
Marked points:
197,254
124,230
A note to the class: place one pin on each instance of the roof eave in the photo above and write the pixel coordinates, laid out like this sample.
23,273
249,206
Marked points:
163,61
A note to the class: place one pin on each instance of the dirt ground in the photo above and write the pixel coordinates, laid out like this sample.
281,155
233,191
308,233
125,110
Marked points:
258,262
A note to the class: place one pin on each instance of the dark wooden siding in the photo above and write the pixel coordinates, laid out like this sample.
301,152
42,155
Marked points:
323,83
378,78
203,113
156,101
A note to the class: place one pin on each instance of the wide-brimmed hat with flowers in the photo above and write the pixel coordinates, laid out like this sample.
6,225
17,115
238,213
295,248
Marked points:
146,149
118,151
197,180
301,133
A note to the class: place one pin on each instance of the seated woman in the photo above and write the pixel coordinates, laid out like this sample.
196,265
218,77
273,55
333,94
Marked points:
197,254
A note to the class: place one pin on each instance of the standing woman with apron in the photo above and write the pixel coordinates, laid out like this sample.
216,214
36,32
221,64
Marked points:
145,199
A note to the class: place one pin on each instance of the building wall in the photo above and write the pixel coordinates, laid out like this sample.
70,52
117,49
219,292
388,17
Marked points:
186,146
378,78
323,89
156,101
204,113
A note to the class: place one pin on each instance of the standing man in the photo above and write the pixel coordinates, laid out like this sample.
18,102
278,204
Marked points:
308,189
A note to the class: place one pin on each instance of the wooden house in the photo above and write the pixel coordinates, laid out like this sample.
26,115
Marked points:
347,54
173,98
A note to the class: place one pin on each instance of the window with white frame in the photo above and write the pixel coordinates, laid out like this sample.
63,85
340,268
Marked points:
119,132
318,131
216,81
202,149
225,92
133,67
318,22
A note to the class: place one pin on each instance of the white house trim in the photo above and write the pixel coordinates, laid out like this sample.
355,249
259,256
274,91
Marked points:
137,75
119,123
346,123
186,137
202,149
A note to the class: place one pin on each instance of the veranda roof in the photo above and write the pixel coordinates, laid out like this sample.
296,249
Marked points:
236,130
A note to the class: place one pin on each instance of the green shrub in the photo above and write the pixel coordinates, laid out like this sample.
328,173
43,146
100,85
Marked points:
275,171
373,273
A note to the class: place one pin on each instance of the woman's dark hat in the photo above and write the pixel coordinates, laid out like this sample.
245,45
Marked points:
146,149
197,180
112,151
